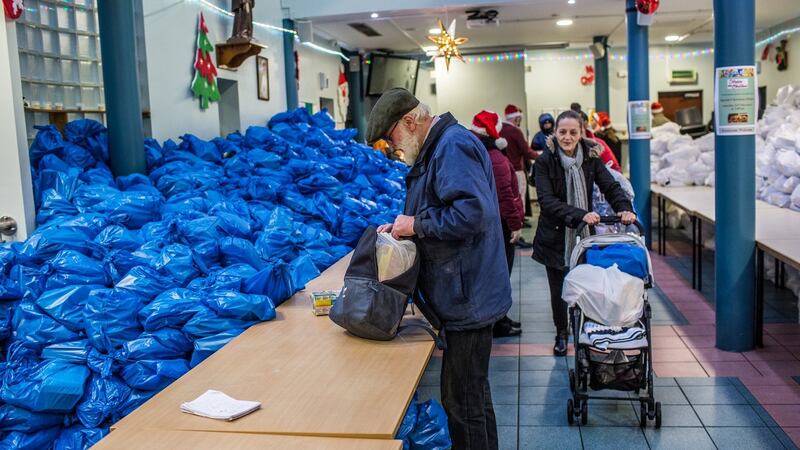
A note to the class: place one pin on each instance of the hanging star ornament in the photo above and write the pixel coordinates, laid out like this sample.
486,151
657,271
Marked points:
448,43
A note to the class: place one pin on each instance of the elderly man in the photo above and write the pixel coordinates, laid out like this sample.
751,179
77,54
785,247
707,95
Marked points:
452,214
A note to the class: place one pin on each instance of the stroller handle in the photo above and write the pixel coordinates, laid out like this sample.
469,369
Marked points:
609,220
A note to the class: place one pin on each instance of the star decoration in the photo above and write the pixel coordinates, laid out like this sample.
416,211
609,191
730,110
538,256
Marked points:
448,43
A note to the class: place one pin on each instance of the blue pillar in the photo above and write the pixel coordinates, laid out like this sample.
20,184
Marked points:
601,102
121,86
639,89
734,265
357,95
290,66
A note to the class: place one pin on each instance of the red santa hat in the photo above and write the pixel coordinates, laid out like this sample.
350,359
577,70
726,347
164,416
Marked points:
512,112
487,123
603,119
656,107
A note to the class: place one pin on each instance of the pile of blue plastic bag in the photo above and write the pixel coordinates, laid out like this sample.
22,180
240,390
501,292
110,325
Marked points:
424,427
129,282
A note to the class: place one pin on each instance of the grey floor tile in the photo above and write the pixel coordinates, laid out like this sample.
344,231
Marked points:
664,382
506,415
504,378
536,337
783,438
505,395
668,395
435,363
543,415
675,416
430,379
538,317
734,437
709,381
728,416
544,395
620,414
543,378
617,438
507,437
428,392
678,439
549,438
543,363
714,395
765,416
503,363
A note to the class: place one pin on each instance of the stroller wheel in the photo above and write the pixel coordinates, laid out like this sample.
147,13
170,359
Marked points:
584,412
570,412
658,414
643,415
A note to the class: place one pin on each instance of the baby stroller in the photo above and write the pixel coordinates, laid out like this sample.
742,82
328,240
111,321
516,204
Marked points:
622,359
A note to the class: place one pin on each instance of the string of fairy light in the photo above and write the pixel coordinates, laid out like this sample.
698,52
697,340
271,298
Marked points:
515,56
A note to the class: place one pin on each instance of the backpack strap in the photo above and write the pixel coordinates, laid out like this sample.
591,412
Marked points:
439,339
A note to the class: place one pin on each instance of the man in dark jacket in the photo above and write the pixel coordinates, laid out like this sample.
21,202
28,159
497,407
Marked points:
452,213
520,155
546,127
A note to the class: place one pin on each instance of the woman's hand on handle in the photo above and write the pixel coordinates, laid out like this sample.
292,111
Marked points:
627,217
592,218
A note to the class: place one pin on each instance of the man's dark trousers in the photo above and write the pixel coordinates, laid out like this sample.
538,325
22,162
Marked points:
466,395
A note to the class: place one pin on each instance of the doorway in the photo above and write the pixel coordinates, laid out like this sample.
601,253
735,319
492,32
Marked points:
228,106
675,100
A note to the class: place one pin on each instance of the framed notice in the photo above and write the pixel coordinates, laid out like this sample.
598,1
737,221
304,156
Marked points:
735,100
639,120
262,66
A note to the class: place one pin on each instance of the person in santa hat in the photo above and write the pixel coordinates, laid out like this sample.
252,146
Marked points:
518,152
658,115
603,130
487,125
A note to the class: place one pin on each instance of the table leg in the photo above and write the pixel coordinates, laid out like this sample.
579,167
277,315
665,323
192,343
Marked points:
700,255
759,315
783,275
694,252
662,222
776,282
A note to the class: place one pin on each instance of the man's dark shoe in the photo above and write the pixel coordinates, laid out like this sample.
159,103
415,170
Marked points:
503,328
560,349
521,243
527,225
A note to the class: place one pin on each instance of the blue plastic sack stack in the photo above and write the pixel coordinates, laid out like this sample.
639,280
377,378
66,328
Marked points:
424,427
129,282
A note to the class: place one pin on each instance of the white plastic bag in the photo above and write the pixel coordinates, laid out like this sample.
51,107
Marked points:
788,162
394,257
607,296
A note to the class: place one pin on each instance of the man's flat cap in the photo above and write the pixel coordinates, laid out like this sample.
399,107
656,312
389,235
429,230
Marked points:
393,105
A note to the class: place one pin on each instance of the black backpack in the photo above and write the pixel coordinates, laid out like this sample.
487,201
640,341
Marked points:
372,309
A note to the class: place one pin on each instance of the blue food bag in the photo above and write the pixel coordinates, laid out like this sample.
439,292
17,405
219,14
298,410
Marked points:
154,375
50,386
630,259
78,437
17,440
431,431
205,347
13,418
103,398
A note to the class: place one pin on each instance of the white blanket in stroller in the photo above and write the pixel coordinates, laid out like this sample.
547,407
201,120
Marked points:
608,296
613,338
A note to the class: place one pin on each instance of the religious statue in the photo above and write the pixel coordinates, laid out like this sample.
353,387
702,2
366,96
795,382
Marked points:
782,55
242,21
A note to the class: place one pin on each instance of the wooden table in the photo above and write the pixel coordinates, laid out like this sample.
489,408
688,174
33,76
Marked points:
311,377
133,439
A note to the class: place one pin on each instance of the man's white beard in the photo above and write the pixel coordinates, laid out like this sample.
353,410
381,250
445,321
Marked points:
410,148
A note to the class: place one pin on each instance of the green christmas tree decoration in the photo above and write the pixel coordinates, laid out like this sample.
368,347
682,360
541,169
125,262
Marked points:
204,84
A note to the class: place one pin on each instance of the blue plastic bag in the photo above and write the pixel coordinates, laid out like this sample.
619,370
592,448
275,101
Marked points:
135,399
205,347
408,423
78,437
431,431
72,268
301,271
154,375
172,308
35,329
236,305
17,440
274,281
236,250
74,352
50,386
117,237
66,304
13,418
206,323
145,282
111,318
104,396
630,259
167,343
178,262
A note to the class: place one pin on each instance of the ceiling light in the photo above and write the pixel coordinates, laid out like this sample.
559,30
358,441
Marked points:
429,48
564,22
570,2
435,31
374,15
672,38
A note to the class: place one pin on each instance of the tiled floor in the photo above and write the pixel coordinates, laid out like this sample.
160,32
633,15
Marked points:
711,399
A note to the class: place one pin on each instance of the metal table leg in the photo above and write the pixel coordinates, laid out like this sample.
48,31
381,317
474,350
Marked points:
759,315
694,252
700,254
662,224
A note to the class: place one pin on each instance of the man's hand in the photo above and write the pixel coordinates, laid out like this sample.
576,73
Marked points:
627,217
592,218
403,227
515,235
387,228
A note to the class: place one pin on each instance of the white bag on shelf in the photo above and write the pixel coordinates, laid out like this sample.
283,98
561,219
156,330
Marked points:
787,162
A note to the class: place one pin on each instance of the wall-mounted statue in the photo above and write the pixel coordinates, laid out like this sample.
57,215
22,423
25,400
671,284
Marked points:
242,21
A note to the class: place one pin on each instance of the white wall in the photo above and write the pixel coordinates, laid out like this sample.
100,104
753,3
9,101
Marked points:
170,34
425,79
468,88
771,77
312,63
554,84
16,196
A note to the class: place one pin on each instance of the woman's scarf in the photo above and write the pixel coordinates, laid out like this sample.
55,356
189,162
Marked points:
576,194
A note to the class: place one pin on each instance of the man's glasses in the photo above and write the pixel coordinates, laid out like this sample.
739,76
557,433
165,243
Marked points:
387,137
